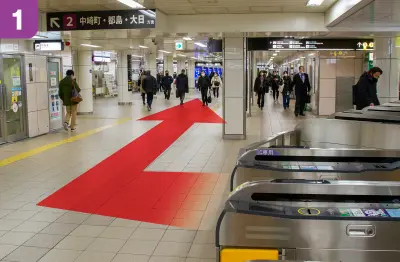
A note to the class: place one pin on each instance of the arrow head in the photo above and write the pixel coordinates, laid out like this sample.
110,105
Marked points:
53,22
192,111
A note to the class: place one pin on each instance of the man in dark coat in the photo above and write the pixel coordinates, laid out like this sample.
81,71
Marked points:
261,88
149,85
203,83
366,92
166,82
302,87
182,85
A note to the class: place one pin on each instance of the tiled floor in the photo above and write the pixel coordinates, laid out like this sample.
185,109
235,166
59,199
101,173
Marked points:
29,233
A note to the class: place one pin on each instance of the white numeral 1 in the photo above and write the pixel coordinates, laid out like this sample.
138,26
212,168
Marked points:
18,15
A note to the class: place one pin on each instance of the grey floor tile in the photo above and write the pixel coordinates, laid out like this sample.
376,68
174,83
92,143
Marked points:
117,232
9,224
151,225
26,254
130,258
44,240
31,226
15,238
47,216
88,231
5,212
2,232
148,234
172,249
125,223
180,236
72,218
202,251
166,259
57,255
6,249
204,237
106,245
96,220
21,215
75,243
59,229
88,256
189,259
139,247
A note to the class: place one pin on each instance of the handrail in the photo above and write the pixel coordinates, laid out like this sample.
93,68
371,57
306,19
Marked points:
280,135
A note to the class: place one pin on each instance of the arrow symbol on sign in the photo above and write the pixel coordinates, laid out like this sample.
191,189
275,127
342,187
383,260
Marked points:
53,22
120,187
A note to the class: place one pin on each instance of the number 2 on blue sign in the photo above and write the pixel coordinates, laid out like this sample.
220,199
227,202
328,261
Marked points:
18,15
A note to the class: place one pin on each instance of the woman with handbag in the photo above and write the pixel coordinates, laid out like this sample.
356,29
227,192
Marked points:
69,94
216,83
287,89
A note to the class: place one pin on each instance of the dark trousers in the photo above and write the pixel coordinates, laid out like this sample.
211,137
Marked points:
204,95
261,99
150,99
216,91
144,98
181,96
167,93
286,101
275,93
300,105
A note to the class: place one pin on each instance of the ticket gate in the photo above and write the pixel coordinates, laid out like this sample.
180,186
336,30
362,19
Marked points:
380,114
306,220
313,163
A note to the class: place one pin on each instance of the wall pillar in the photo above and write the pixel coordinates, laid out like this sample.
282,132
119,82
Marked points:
83,73
234,107
190,73
387,57
124,95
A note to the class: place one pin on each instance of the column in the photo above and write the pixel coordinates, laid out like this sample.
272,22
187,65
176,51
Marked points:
387,57
234,108
190,73
124,95
169,64
151,63
83,73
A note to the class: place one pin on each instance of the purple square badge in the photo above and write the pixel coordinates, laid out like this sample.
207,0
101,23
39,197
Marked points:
19,18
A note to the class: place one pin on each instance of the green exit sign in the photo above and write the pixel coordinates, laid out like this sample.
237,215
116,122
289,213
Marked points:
179,45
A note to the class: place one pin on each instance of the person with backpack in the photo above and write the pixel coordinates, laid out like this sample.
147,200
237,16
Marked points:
69,93
166,82
216,83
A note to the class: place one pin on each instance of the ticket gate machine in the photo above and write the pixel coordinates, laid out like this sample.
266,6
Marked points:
266,163
311,220
381,114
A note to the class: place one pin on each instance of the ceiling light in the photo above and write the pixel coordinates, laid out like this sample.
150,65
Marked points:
200,44
90,45
314,2
148,13
163,51
181,55
187,38
275,54
142,46
39,37
136,55
277,51
131,3
302,57
194,57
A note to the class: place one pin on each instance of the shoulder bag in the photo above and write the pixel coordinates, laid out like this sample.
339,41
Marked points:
75,97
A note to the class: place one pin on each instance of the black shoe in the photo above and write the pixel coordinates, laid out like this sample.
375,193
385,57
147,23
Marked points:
302,114
181,103
204,104
297,115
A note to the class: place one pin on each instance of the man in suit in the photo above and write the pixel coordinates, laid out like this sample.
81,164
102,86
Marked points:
302,86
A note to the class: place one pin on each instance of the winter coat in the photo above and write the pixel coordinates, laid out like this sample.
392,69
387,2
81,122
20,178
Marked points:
182,83
214,80
287,85
366,92
261,87
167,81
149,84
65,90
203,82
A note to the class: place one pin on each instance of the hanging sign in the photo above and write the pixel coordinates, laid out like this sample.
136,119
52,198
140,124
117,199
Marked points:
95,20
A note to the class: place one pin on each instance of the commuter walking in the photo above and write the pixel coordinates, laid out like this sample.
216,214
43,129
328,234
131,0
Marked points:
275,83
287,89
261,88
216,83
149,85
69,93
167,81
302,86
366,91
203,83
140,84
182,86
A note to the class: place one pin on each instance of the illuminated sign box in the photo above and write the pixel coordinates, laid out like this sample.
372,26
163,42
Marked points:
48,46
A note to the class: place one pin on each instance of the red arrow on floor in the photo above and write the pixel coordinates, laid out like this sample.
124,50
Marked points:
119,186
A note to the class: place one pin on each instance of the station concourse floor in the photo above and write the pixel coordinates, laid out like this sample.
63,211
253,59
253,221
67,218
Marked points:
199,161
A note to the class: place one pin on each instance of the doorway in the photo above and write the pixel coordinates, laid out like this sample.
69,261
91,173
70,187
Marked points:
55,106
13,124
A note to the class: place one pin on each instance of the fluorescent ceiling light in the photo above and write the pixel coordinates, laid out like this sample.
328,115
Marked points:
314,2
200,44
148,13
142,46
194,57
181,55
39,37
303,57
131,3
163,51
277,51
187,38
136,55
275,54
90,45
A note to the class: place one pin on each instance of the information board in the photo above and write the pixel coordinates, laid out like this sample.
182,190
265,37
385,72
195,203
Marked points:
95,20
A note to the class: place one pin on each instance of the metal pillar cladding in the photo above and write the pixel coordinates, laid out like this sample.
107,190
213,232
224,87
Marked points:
234,93
124,95
84,79
249,81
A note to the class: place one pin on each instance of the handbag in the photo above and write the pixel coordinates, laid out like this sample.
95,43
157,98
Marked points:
75,97
209,98
216,83
308,101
